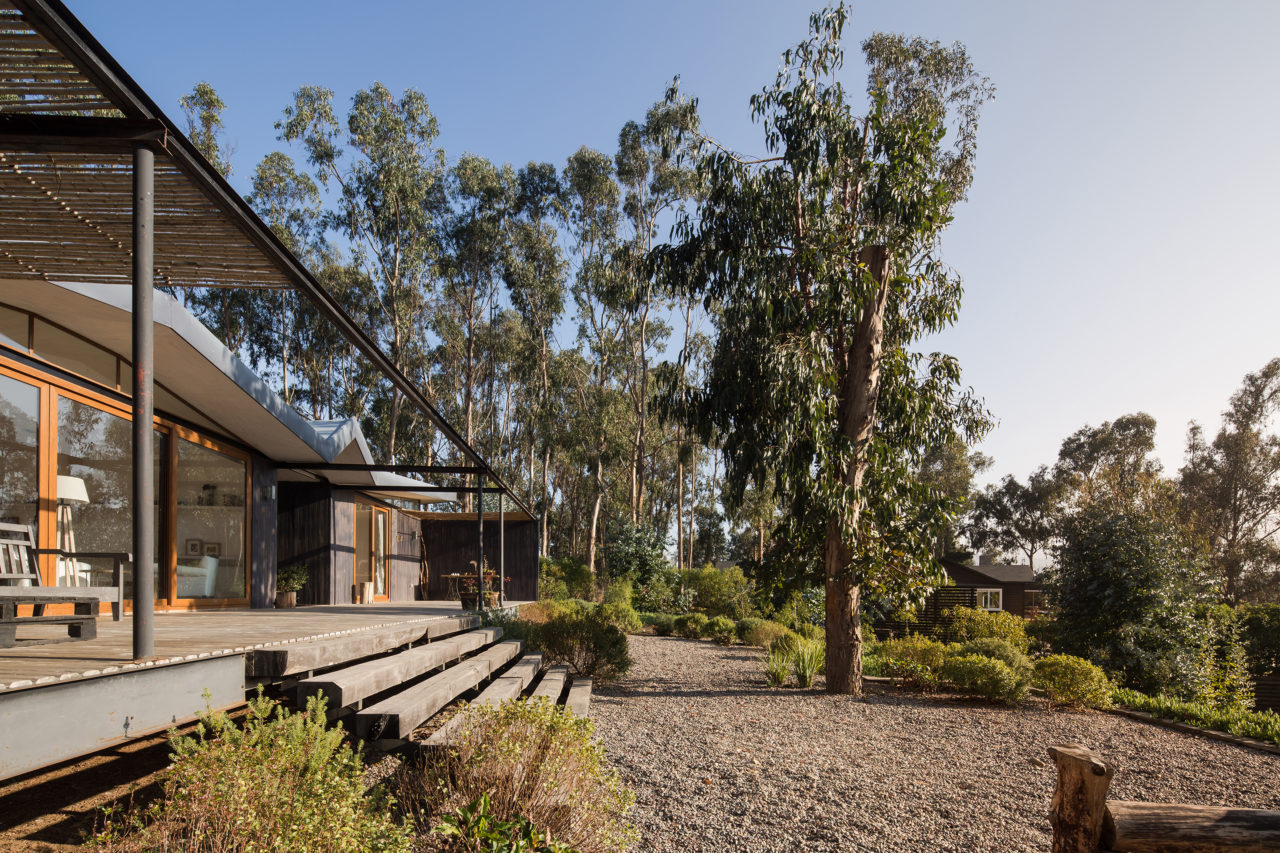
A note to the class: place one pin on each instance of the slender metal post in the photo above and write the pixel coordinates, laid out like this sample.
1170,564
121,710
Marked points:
502,550
144,498
480,540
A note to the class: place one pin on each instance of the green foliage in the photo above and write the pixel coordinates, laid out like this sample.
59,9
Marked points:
786,643
285,781
1260,725
636,551
1001,650
691,625
802,607
722,629
910,674
663,624
1013,517
661,593
984,676
1123,600
1041,634
914,648
808,661
777,666
566,578
621,615
760,632
720,592
539,766
587,642
1222,679
474,827
961,624
1260,625
291,578
1073,681
618,591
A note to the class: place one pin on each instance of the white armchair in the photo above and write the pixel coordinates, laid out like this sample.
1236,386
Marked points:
197,580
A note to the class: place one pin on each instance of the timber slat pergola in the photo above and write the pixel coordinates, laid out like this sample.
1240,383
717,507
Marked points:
97,185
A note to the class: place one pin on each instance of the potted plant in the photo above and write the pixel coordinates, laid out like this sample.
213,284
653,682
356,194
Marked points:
289,580
469,590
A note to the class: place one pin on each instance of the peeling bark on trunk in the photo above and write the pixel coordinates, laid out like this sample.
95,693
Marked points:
858,393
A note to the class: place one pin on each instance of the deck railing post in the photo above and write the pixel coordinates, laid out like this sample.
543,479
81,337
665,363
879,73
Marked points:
143,403
480,541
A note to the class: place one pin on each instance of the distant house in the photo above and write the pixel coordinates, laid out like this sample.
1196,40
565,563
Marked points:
998,586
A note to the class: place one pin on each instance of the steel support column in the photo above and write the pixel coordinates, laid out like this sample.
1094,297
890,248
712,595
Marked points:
502,550
480,540
144,498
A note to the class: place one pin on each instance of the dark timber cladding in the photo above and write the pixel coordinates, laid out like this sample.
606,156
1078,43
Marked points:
449,544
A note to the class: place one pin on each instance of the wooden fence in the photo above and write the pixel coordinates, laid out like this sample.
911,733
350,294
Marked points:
1085,821
928,617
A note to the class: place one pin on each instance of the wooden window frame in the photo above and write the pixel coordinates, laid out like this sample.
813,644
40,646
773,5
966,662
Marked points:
999,599
376,508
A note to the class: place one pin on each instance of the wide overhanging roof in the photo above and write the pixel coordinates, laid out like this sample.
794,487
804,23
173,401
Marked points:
70,118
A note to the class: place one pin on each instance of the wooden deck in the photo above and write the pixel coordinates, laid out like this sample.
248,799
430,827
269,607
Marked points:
188,636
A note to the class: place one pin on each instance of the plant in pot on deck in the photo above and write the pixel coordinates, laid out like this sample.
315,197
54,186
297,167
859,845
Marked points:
289,580
469,589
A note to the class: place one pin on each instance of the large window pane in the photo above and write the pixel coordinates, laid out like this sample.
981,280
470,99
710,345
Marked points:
211,490
95,493
19,436
364,546
380,552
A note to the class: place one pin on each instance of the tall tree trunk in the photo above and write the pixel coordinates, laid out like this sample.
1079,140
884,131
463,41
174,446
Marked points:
679,512
693,501
544,550
858,393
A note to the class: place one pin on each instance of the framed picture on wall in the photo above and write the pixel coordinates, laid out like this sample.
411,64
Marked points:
213,549
195,547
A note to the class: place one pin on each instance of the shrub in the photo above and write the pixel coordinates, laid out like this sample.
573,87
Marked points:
961,624
658,593
283,782
475,827
565,578
1069,680
690,625
588,644
1260,626
747,624
808,661
1041,634
1261,725
722,629
534,760
636,550
621,615
786,643
985,677
1221,677
663,624
916,649
1001,650
874,666
777,666
910,674
762,633
720,592
618,591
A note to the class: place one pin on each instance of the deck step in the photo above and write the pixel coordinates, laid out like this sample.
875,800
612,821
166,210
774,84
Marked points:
579,699
396,716
345,687
507,686
292,658
551,687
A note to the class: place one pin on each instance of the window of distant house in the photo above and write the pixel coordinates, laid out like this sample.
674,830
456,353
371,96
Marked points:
989,599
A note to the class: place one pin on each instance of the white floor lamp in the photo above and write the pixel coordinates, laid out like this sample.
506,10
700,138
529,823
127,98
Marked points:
71,492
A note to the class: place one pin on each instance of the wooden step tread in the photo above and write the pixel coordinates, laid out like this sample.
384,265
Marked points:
344,687
579,699
396,716
505,687
552,684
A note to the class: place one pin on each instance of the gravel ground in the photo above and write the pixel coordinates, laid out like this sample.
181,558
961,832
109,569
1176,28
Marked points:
719,761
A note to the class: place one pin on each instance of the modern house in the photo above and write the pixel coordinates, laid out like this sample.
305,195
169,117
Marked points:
997,586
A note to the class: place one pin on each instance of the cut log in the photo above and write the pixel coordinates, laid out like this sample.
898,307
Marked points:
345,687
579,699
552,684
1079,801
396,716
1173,828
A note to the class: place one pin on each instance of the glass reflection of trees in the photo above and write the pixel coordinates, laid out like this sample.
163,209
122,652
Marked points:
19,457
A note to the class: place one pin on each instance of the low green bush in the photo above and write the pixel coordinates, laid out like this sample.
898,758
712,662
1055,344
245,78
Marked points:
618,591
621,615
475,827
1001,650
983,676
285,781
874,666
808,661
720,592
690,625
538,764
786,643
589,644
722,629
662,624
1073,681
750,623
1260,725
567,578
777,666
915,648
761,633
811,632
962,624
910,674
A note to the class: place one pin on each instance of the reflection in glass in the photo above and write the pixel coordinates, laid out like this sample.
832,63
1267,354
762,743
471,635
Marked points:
95,493
211,491
364,549
19,460
379,552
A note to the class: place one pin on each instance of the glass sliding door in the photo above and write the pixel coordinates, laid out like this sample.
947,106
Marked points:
380,553
211,530
19,452
371,549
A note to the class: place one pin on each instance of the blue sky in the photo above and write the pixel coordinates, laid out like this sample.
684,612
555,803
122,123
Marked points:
1117,246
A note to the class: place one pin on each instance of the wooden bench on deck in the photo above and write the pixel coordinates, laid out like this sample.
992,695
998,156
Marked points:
20,585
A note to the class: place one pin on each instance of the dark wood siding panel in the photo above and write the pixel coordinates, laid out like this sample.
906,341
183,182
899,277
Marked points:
303,536
450,546
343,547
263,531
404,555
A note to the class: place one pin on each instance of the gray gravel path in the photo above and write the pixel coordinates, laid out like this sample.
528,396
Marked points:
720,762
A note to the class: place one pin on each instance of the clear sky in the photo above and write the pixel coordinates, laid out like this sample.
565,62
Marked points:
1117,246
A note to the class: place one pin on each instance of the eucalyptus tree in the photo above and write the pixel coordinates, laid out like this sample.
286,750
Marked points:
1015,517
1230,490
390,198
822,258
536,272
1112,462
655,180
